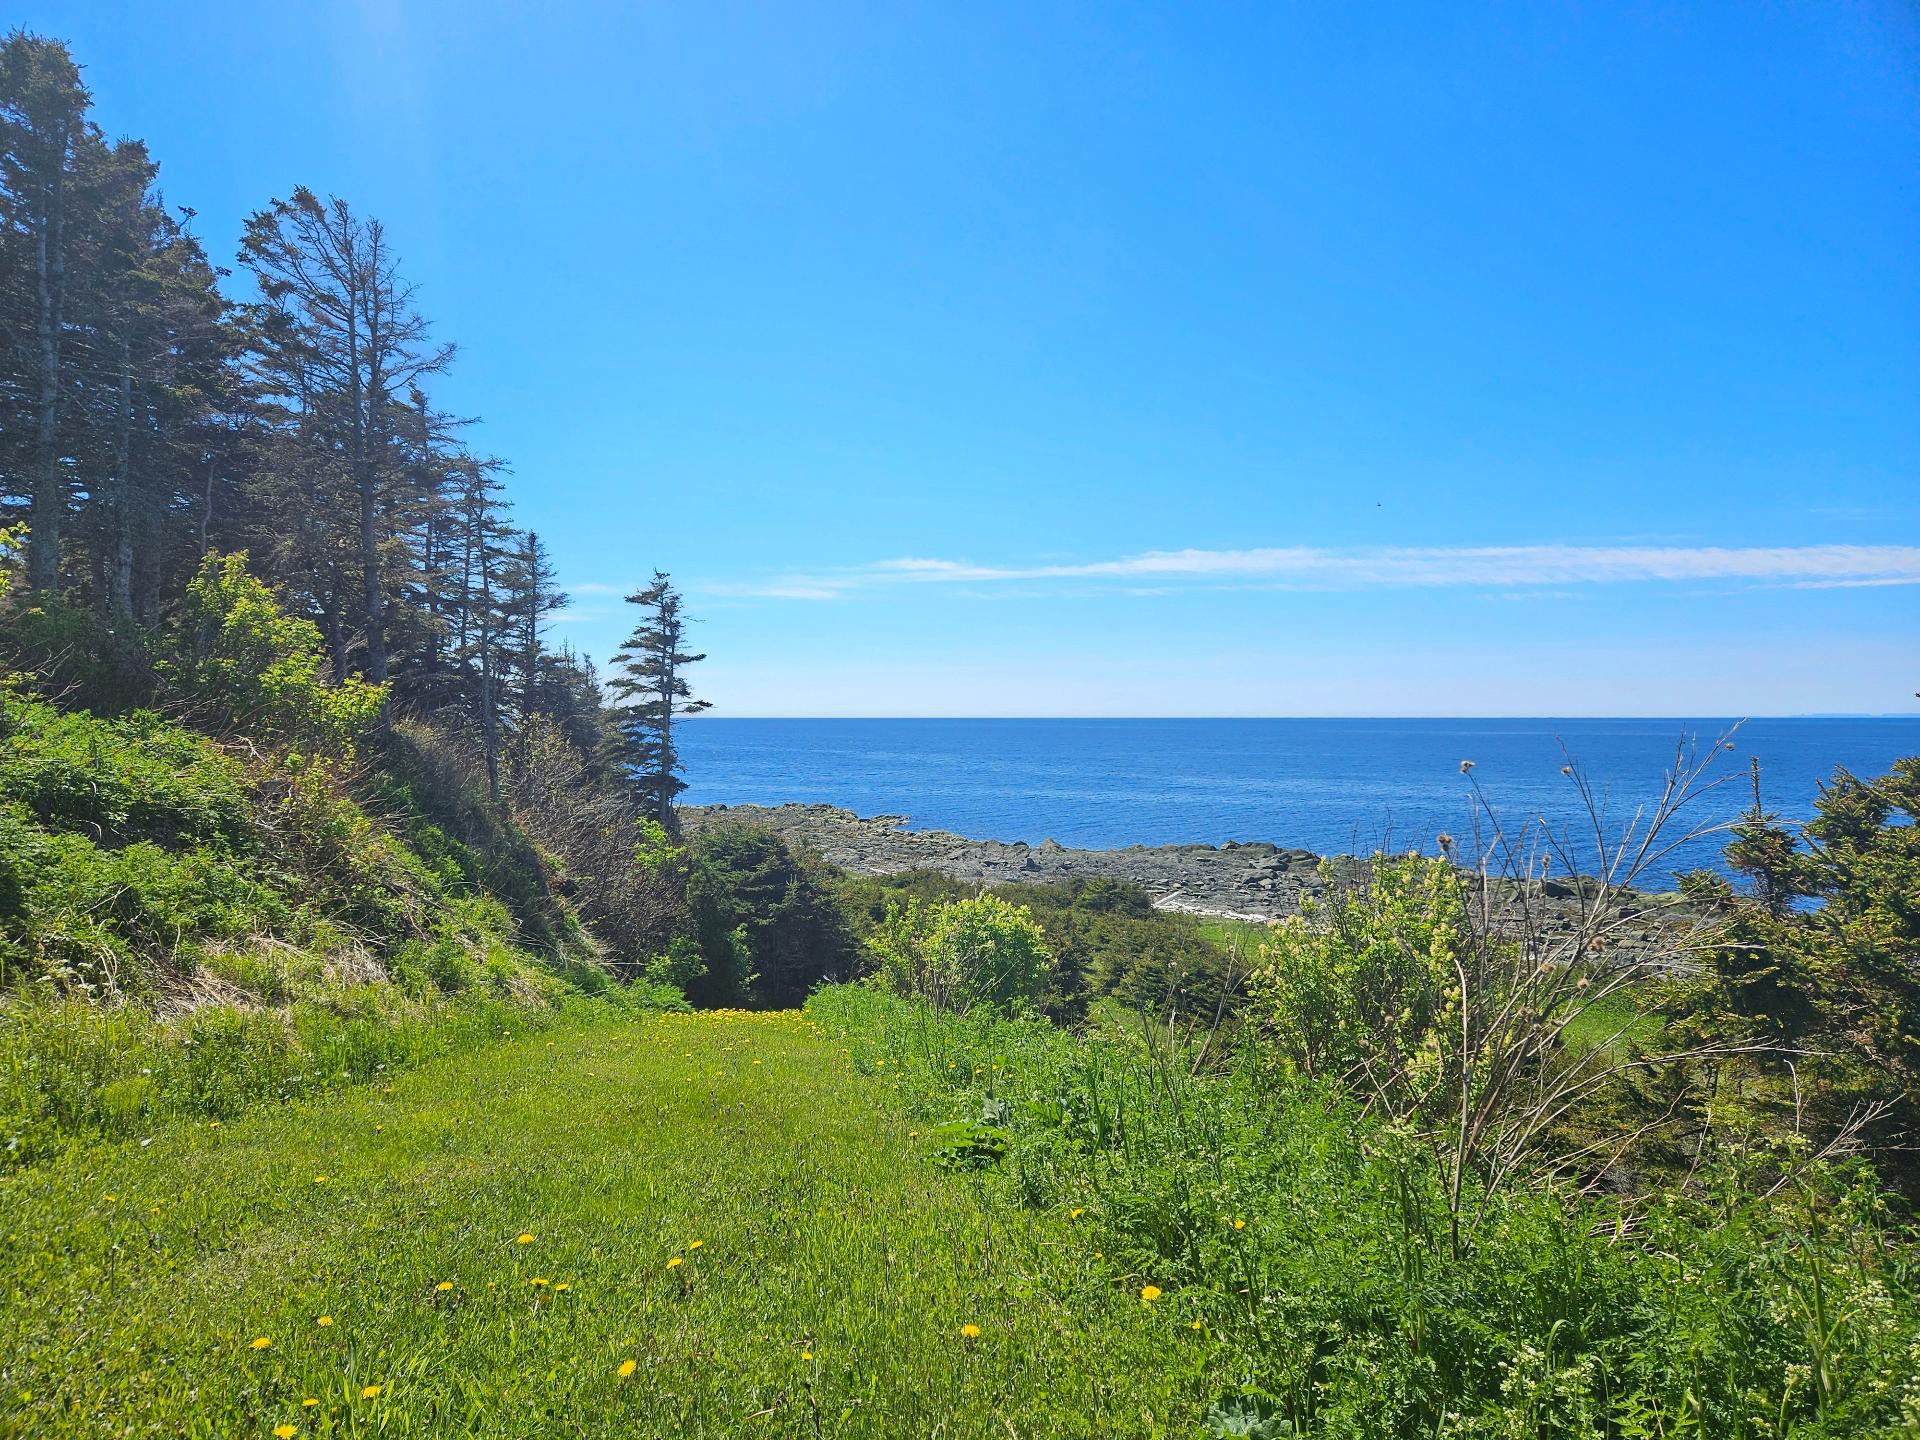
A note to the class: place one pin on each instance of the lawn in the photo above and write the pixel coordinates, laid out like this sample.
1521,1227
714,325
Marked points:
674,1225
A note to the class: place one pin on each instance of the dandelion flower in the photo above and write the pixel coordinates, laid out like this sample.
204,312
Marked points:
676,1260
444,1286
971,1332
324,1321
262,1343
1198,1326
309,1403
1239,1224
627,1367
319,1179
285,1432
1076,1212
523,1238
539,1282
1149,1293
695,1244
367,1392
563,1285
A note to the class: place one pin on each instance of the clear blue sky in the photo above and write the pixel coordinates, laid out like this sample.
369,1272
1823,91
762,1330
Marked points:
1328,359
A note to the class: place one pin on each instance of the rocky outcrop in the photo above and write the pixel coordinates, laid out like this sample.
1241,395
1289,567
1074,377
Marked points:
1249,882
1236,881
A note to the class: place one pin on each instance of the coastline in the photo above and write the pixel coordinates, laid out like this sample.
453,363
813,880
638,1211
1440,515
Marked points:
1233,881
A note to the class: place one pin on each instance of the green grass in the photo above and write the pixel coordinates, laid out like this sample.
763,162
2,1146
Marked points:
836,1269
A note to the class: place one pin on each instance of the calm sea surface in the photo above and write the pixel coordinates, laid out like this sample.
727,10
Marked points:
1325,785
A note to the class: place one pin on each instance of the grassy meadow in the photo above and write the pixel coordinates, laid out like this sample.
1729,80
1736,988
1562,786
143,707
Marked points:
671,1225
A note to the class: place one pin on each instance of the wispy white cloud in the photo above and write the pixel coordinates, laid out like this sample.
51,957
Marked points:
1318,568
591,587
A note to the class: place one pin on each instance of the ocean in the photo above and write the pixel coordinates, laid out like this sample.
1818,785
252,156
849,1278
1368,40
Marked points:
1322,785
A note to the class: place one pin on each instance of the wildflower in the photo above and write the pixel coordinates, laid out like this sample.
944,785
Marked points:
676,1260
444,1286
695,1244
1466,766
627,1367
319,1179
367,1392
539,1282
1198,1326
1149,1293
1239,1224
309,1403
563,1285
1076,1212
523,1238
285,1432
262,1343
972,1332
806,1354
324,1321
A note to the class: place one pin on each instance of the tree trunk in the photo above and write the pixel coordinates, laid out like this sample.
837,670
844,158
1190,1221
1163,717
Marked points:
49,488
120,580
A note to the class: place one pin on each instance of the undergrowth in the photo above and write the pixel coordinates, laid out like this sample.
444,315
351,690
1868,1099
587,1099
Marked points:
1310,1242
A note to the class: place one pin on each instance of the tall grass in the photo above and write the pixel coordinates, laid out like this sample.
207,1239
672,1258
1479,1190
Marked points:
1312,1242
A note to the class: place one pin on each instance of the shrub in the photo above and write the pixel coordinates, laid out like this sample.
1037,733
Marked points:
982,951
768,925
249,665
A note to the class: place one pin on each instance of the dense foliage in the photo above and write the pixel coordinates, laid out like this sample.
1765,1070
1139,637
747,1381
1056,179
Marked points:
1307,1241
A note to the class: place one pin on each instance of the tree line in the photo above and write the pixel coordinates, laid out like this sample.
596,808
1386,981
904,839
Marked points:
150,420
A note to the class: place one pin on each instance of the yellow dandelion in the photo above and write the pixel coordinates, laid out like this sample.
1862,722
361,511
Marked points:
972,1332
676,1260
539,1282
1149,1293
523,1238
367,1392
309,1402
627,1367
1076,1212
285,1432
262,1343
319,1179
324,1321
1198,1326
695,1244
1239,1224
444,1286
563,1285
378,1128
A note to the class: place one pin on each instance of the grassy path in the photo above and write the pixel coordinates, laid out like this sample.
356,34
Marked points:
363,1266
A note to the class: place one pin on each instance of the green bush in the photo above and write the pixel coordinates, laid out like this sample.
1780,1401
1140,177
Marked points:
767,922
963,954
250,665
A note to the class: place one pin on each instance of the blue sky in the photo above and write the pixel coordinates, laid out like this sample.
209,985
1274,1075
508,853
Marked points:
1047,359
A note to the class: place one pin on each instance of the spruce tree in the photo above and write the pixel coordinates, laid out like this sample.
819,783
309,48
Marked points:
650,693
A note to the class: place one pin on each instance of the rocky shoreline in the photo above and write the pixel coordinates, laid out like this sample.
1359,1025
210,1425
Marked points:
1234,881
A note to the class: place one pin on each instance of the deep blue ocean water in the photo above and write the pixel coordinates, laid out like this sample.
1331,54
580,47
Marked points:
1323,785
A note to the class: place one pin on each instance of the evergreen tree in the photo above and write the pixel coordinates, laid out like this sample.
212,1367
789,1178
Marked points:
44,139
651,693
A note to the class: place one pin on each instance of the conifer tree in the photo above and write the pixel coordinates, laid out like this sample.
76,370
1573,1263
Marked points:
651,693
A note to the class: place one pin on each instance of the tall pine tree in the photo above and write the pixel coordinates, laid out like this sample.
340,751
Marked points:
650,693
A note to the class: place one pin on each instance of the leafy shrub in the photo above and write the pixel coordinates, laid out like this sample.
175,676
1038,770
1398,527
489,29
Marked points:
250,665
982,951
1354,986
